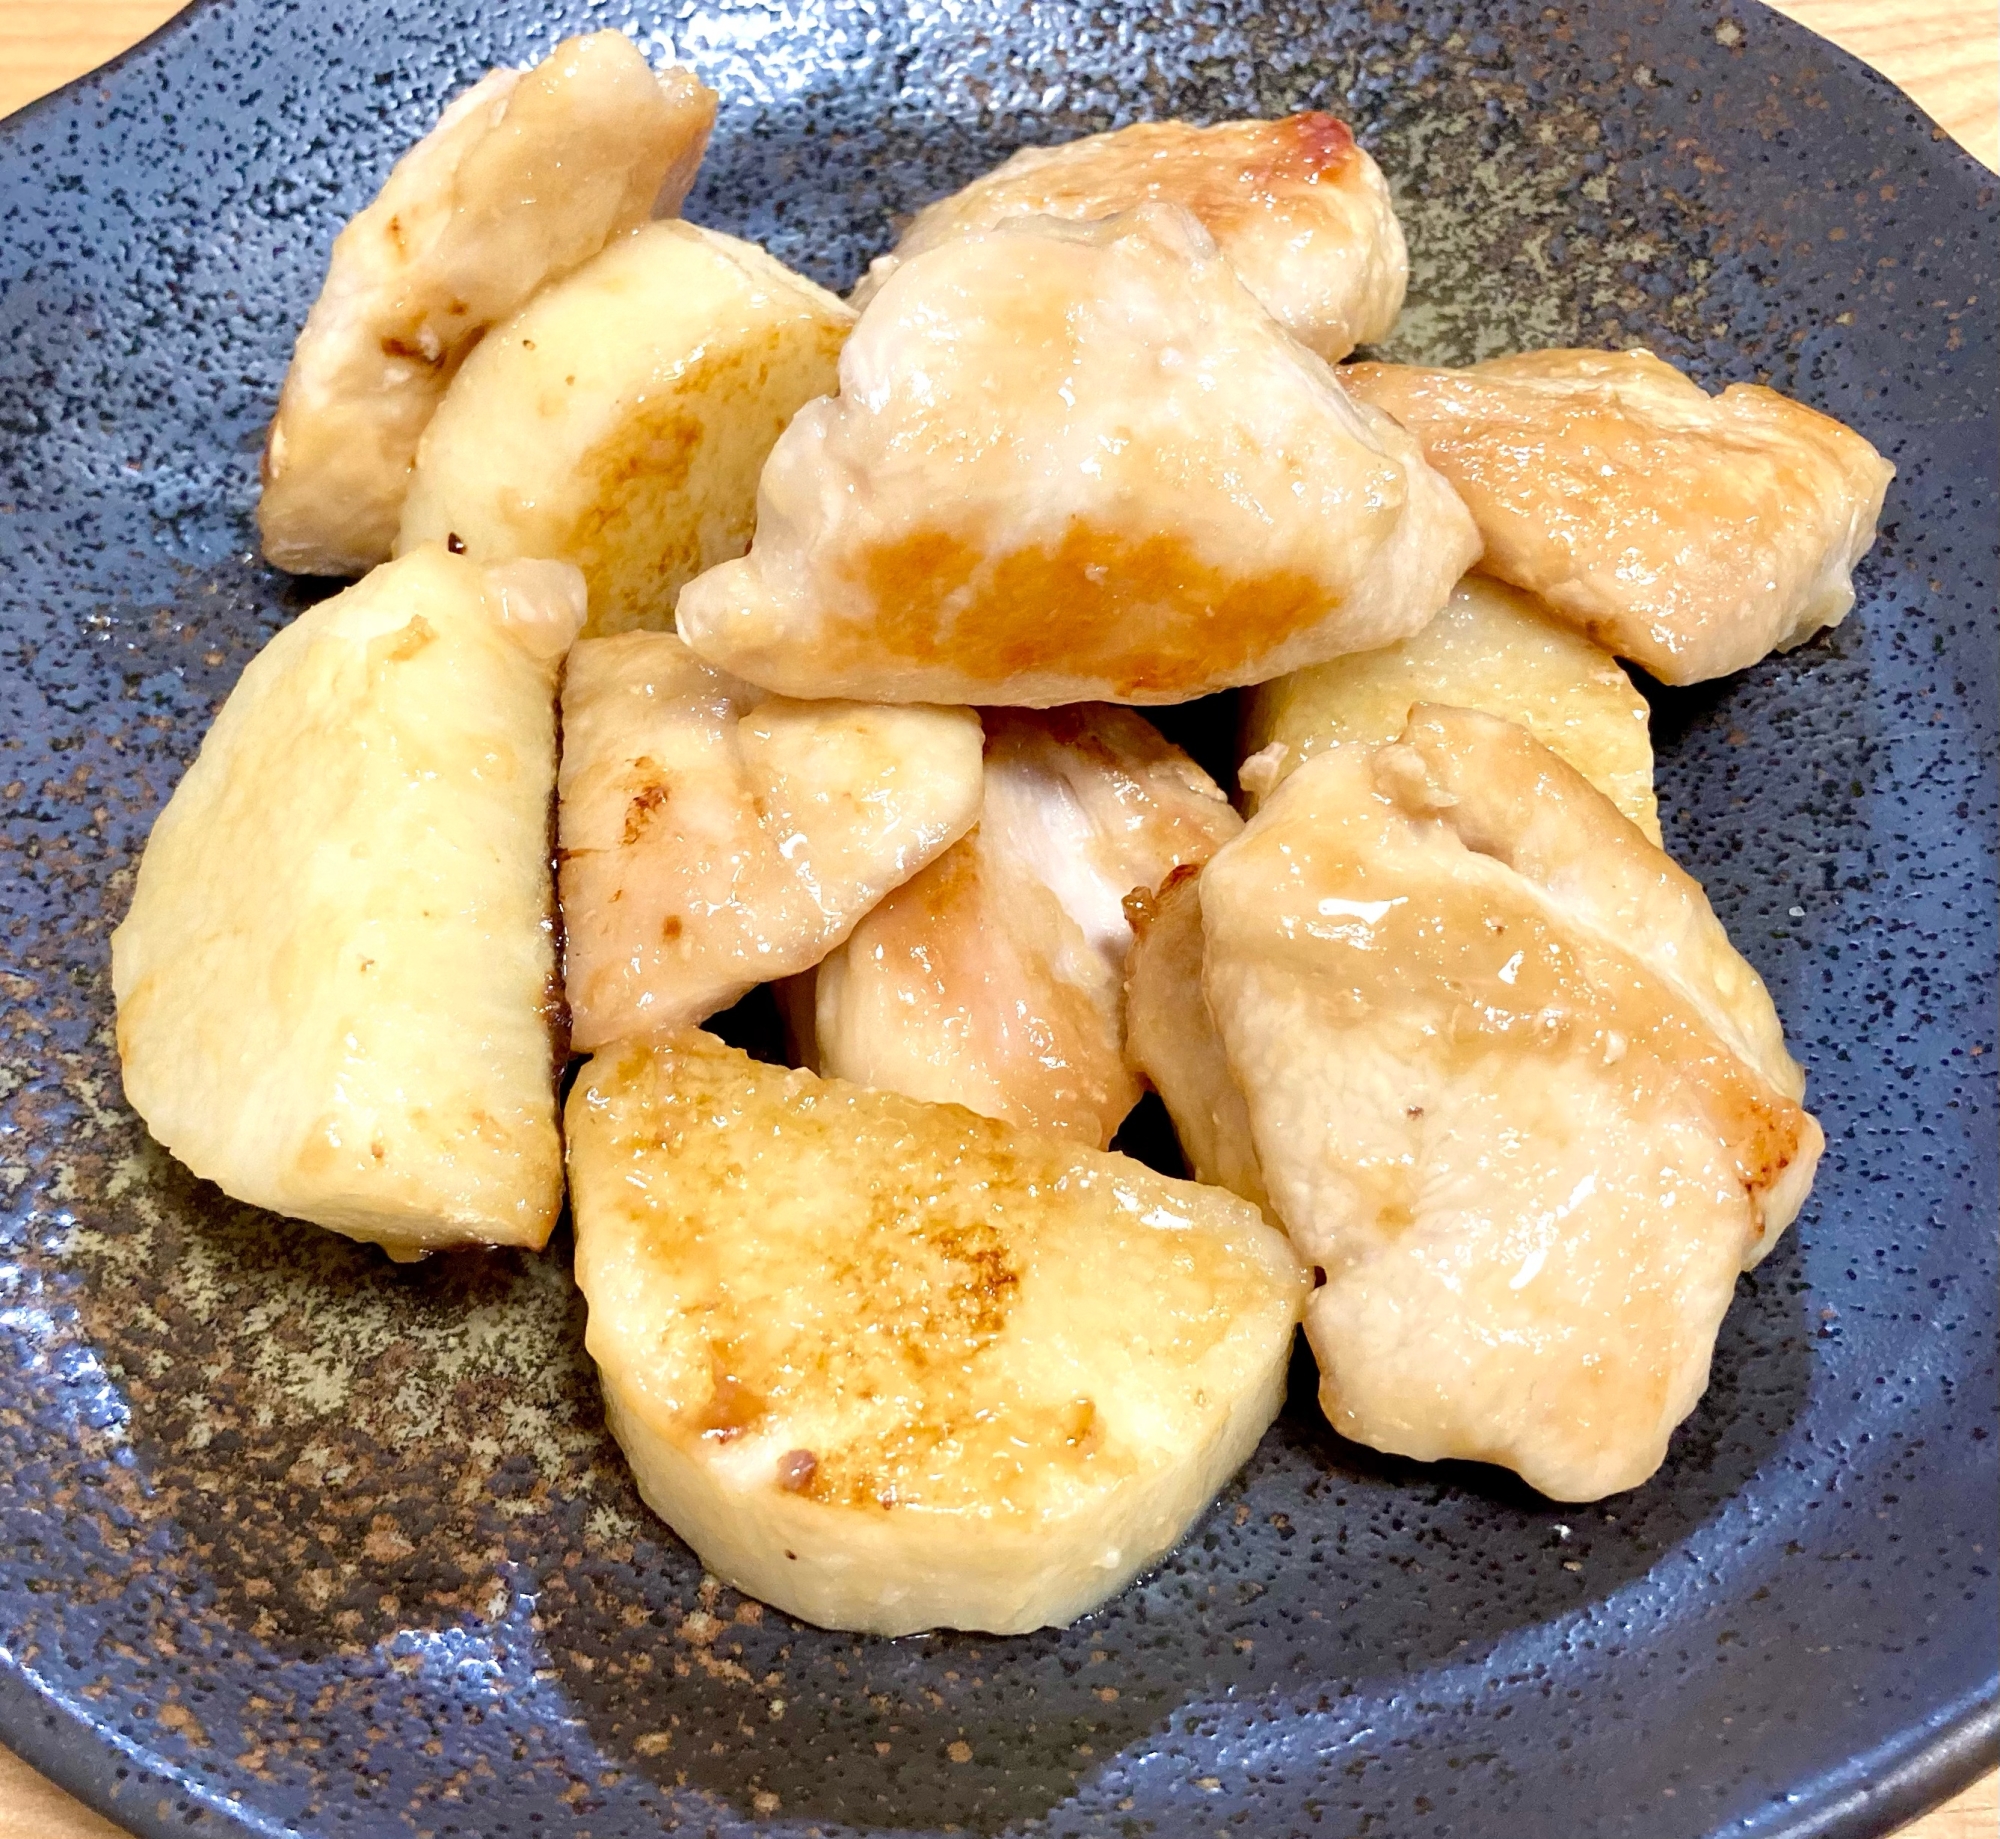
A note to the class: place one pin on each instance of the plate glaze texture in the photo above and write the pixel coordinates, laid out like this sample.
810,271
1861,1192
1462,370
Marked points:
292,1540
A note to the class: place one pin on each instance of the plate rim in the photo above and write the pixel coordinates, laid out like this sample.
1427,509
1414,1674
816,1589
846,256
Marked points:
1927,1763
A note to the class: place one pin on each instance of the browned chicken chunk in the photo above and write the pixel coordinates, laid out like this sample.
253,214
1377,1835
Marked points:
1076,463
995,978
1690,533
1302,213
714,838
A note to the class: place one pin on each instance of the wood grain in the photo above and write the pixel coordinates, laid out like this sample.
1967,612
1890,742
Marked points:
42,46
1945,53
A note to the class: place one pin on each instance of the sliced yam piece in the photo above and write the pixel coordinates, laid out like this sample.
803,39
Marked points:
1509,1089
714,838
1302,213
891,1366
620,420
526,175
1172,1041
1690,533
1075,463
336,986
1492,648
994,979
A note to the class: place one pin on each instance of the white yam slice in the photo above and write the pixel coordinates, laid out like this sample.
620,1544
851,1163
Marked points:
621,418
526,175
336,985
1492,648
891,1366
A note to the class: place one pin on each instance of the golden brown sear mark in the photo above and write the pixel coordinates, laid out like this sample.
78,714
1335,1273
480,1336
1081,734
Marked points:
1146,614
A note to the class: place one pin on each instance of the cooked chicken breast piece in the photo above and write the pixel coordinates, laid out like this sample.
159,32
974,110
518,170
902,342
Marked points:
337,992
620,419
1071,463
1690,533
1510,1089
995,979
1171,1039
1301,212
713,837
526,175
890,1366
1492,648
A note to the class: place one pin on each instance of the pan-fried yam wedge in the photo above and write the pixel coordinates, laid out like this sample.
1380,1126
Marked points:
1690,533
336,985
714,837
1510,1088
892,1366
995,978
621,418
525,176
1492,648
1301,212
1076,463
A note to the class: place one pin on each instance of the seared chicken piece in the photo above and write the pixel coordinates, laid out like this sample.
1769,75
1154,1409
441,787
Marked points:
336,987
1076,462
891,1366
714,837
1690,533
995,979
620,419
526,175
1171,1038
1492,648
1510,1089
1302,213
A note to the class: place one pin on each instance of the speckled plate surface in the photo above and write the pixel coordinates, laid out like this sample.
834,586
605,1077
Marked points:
292,1540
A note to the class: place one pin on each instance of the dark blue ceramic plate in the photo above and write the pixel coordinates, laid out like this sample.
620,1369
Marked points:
297,1541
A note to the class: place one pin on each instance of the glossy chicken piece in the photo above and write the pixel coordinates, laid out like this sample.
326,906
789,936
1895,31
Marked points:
337,989
1511,1090
1172,1040
1492,648
1069,463
1302,214
890,1366
713,838
525,176
1690,533
995,979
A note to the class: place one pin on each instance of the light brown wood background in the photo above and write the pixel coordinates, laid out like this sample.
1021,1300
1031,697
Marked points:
1946,53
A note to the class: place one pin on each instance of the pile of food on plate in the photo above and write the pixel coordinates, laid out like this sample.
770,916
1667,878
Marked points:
820,627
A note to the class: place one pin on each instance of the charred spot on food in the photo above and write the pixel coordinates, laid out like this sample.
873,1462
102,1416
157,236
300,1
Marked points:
426,351
652,794
411,639
732,1408
796,1469
1139,906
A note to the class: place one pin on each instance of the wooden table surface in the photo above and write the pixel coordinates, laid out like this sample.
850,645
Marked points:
1945,53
